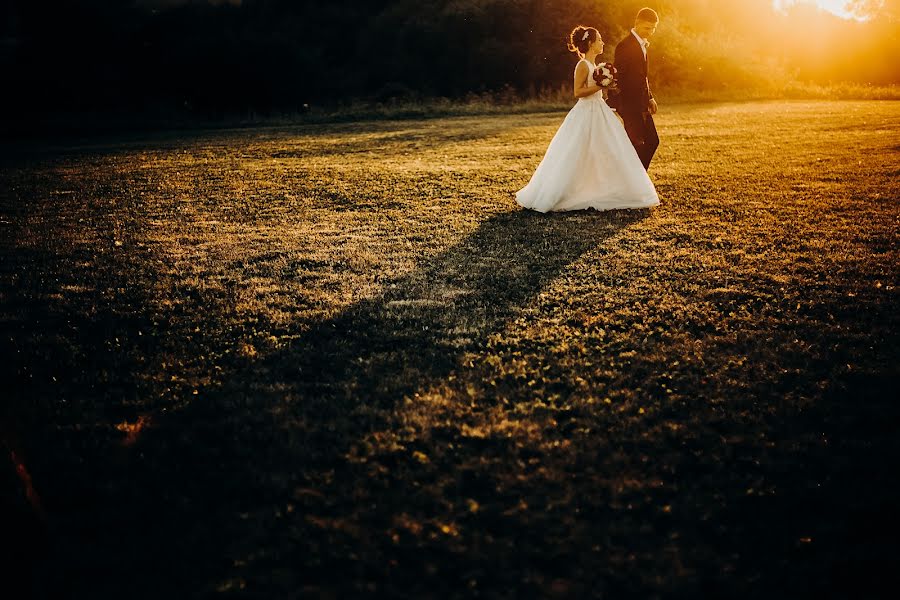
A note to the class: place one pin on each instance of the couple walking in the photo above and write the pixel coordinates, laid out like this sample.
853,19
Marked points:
593,160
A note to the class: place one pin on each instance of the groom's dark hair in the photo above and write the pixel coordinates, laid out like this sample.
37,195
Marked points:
647,14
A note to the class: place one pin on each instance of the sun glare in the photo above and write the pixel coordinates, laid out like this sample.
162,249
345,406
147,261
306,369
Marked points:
838,7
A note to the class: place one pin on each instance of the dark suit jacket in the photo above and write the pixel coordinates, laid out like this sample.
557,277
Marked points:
634,88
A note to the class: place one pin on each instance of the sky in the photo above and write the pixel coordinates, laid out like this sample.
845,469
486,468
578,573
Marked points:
838,7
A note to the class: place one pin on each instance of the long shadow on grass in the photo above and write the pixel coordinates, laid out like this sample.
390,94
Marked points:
250,485
206,491
414,334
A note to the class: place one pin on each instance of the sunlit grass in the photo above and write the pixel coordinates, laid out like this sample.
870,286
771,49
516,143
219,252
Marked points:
507,102
339,358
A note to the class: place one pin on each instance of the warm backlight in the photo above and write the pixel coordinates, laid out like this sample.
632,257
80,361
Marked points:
838,7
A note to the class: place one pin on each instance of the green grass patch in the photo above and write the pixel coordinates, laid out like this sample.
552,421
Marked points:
336,360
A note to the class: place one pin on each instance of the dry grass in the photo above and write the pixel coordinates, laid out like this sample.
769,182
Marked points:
338,360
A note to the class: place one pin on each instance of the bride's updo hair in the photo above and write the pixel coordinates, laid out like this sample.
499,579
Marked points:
579,42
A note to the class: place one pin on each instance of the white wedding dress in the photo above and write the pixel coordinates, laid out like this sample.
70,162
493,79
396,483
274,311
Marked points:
590,163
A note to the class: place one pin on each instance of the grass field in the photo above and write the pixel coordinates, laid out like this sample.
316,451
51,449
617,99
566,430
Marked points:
338,360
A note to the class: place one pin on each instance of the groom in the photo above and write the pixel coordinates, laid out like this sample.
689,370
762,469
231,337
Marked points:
636,105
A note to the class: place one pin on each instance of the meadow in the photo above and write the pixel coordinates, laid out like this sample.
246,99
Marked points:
336,360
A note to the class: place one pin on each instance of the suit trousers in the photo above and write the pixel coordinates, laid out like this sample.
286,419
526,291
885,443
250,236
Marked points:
641,131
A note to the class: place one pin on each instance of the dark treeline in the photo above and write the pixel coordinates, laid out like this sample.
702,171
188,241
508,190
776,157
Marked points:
231,56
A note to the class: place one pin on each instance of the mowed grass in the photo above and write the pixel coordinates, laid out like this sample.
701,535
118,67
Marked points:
334,361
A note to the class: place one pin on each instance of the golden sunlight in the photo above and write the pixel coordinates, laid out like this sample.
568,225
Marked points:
840,8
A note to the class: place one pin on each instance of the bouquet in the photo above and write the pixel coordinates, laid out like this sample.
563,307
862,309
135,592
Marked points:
605,76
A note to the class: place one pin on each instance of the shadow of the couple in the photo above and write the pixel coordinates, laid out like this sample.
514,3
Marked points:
205,483
413,333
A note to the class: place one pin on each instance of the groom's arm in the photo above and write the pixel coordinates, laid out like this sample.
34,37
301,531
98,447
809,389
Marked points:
651,100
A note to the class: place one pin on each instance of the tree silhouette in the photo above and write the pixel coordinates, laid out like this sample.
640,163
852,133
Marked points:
228,56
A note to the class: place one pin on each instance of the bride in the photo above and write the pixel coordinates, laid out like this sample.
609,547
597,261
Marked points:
590,162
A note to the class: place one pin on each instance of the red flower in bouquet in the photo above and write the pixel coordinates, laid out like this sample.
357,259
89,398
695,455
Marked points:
605,75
